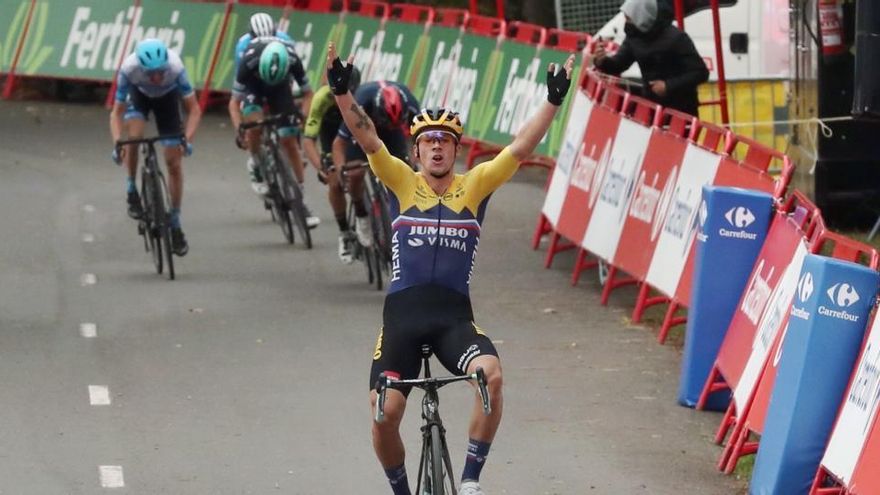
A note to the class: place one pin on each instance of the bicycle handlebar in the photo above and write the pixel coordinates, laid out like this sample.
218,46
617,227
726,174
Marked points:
293,119
384,383
151,140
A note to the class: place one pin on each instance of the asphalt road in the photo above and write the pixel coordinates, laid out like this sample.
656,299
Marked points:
248,374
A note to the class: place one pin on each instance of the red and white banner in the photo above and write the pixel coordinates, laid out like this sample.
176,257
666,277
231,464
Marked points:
680,226
579,115
757,412
653,194
784,241
857,413
616,190
735,174
588,173
772,320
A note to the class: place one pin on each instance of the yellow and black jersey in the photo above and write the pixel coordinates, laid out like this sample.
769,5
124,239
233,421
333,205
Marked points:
435,237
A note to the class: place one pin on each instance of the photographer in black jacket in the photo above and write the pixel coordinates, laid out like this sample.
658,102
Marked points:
671,67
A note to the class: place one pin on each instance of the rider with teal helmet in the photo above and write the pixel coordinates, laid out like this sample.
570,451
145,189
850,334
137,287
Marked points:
264,77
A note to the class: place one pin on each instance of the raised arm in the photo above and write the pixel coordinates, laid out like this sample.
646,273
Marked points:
531,133
355,118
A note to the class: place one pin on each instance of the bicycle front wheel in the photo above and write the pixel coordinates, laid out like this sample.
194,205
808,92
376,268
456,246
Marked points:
163,199
293,197
151,229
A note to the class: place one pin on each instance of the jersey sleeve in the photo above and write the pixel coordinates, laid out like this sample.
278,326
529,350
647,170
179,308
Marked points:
299,74
184,85
489,176
321,103
392,171
122,87
240,47
239,86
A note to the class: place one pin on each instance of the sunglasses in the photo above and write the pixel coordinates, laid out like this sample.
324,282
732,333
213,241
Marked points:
442,137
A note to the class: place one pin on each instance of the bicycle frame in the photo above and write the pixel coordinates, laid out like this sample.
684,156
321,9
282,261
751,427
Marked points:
430,407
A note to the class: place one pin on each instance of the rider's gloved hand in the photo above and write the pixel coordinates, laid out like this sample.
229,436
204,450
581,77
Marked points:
116,155
338,75
322,177
239,141
187,148
557,84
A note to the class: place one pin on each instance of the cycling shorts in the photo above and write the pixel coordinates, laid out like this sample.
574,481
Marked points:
278,99
166,109
432,315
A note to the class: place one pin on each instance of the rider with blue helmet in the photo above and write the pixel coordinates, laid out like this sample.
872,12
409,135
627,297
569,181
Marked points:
153,79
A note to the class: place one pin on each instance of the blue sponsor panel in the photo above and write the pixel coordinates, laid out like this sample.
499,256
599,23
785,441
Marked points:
733,224
829,314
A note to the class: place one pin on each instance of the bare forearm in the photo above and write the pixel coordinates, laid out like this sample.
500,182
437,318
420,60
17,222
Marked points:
311,149
358,123
235,112
193,117
533,131
338,152
116,122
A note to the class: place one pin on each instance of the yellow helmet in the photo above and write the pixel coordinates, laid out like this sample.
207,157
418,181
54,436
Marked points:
436,119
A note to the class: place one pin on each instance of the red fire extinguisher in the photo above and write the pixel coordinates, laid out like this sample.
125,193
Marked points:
831,27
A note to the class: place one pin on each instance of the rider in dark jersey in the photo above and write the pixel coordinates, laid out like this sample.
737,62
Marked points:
437,219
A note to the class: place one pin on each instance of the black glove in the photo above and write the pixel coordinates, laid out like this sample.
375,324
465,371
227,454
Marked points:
338,76
239,141
557,86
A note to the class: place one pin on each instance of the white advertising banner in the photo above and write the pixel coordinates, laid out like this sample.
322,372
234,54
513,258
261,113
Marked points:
680,227
770,325
616,190
858,412
578,117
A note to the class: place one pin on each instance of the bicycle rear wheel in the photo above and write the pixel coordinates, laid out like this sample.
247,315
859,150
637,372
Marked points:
293,197
162,201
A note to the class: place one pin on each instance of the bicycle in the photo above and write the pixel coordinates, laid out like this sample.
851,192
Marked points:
377,257
155,222
435,467
285,198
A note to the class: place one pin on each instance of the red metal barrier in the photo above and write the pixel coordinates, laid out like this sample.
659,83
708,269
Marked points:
10,76
574,41
368,8
206,88
321,5
449,17
416,14
485,25
524,32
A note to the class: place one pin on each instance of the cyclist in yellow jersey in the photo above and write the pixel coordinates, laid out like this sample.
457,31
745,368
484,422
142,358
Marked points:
436,224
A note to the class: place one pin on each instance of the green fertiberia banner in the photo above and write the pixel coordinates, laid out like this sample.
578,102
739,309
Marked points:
11,27
400,52
514,94
551,145
429,80
312,32
190,29
474,74
80,39
358,36
517,93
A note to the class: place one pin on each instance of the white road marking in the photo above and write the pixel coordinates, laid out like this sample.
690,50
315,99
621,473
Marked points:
99,395
88,330
88,238
88,279
88,208
111,476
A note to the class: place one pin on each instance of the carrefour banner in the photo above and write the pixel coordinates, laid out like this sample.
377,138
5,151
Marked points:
733,226
828,319
11,28
444,50
858,412
571,146
191,29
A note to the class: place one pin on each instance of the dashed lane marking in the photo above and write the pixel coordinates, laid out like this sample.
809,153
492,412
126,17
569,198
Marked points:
111,476
88,330
99,395
88,238
88,279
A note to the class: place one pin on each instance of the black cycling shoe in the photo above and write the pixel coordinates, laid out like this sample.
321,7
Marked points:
135,210
178,242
